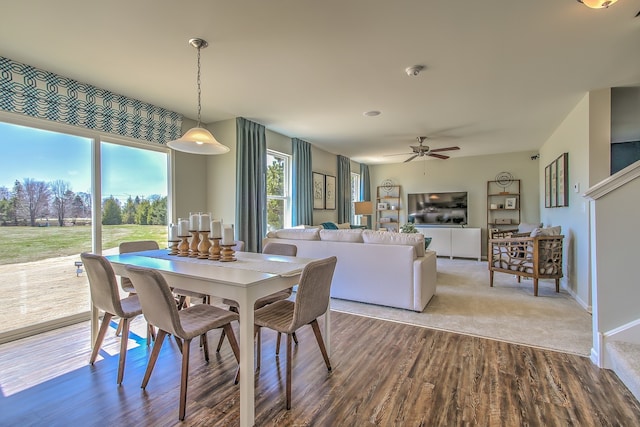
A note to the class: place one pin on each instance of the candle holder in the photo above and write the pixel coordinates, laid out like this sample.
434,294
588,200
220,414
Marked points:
173,247
226,253
204,245
214,250
195,240
183,246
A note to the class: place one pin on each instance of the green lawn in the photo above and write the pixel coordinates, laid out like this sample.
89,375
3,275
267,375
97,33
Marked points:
24,244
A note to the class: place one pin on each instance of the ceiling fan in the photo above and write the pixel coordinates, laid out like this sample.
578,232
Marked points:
424,150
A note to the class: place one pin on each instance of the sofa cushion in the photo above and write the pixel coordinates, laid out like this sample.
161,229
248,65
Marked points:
329,225
354,236
390,238
344,226
298,234
548,231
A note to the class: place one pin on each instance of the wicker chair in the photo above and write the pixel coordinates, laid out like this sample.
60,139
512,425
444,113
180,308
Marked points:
538,257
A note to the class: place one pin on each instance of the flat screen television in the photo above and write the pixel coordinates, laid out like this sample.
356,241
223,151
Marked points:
438,208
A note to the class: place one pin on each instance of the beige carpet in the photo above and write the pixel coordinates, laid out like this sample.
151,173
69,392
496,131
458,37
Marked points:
464,303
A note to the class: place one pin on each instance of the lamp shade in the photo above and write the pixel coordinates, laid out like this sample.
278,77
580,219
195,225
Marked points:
363,208
597,4
198,141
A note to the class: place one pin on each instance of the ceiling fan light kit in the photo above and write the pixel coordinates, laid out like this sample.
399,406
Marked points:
597,4
424,150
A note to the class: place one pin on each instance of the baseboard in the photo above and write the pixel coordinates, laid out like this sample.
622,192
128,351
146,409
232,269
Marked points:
595,359
39,328
629,332
579,300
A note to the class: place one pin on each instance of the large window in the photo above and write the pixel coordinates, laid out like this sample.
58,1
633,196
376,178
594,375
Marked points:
47,212
355,196
278,191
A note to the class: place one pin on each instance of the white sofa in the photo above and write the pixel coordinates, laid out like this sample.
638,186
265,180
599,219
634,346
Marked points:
376,267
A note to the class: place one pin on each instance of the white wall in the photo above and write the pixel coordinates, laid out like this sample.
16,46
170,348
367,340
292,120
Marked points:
468,174
221,174
325,163
189,186
584,134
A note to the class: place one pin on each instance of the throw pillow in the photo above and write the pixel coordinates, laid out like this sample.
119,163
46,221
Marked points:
329,226
525,227
548,231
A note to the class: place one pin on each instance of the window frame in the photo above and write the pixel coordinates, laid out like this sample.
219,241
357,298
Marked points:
286,197
355,197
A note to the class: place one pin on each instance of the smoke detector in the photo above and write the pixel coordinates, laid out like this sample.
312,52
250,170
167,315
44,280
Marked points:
414,70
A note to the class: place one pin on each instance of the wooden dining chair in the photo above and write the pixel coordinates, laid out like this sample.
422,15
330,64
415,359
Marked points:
160,310
105,296
312,300
271,248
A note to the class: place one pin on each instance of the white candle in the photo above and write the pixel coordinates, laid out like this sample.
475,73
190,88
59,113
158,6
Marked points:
204,223
216,229
227,235
183,227
193,221
173,232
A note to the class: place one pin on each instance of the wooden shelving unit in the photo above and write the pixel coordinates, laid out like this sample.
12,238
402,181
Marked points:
503,205
388,207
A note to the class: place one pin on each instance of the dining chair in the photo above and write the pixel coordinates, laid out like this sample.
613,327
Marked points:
105,296
271,248
159,309
238,246
312,300
149,245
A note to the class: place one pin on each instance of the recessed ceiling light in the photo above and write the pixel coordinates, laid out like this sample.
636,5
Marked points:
371,113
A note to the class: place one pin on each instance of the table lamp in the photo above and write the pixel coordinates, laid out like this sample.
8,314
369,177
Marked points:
364,209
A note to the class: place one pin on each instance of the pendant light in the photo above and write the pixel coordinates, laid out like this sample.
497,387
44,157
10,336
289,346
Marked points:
597,4
198,140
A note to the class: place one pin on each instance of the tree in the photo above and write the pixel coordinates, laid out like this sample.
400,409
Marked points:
158,211
62,199
17,198
129,212
142,212
36,198
275,187
111,213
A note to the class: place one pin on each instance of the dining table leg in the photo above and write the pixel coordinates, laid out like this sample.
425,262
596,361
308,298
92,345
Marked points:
247,377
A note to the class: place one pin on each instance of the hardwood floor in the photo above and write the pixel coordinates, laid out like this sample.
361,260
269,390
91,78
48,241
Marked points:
383,374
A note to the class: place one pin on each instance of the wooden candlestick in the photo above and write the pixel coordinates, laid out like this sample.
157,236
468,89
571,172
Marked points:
203,247
195,240
226,253
173,247
183,246
214,250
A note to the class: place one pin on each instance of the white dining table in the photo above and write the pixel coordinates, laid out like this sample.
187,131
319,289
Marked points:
251,277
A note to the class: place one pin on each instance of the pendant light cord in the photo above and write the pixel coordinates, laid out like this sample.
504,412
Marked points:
199,90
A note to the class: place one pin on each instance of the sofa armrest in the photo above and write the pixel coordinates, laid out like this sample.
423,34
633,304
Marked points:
425,277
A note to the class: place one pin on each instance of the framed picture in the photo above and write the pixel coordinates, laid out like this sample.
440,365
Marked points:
318,191
330,192
562,164
554,184
547,186
510,203
382,206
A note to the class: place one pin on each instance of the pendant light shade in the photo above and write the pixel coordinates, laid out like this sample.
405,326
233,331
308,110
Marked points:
198,140
597,4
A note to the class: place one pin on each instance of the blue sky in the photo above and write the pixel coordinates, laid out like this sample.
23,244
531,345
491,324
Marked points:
46,156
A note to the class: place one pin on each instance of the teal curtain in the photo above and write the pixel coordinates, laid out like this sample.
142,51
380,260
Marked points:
38,93
302,188
365,183
343,193
251,184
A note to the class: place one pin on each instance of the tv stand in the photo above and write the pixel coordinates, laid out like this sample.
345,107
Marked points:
453,242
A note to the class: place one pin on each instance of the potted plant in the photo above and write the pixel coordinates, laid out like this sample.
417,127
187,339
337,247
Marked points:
411,228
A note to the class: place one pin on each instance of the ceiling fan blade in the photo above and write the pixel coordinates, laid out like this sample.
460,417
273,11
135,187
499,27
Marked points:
444,149
411,158
439,156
